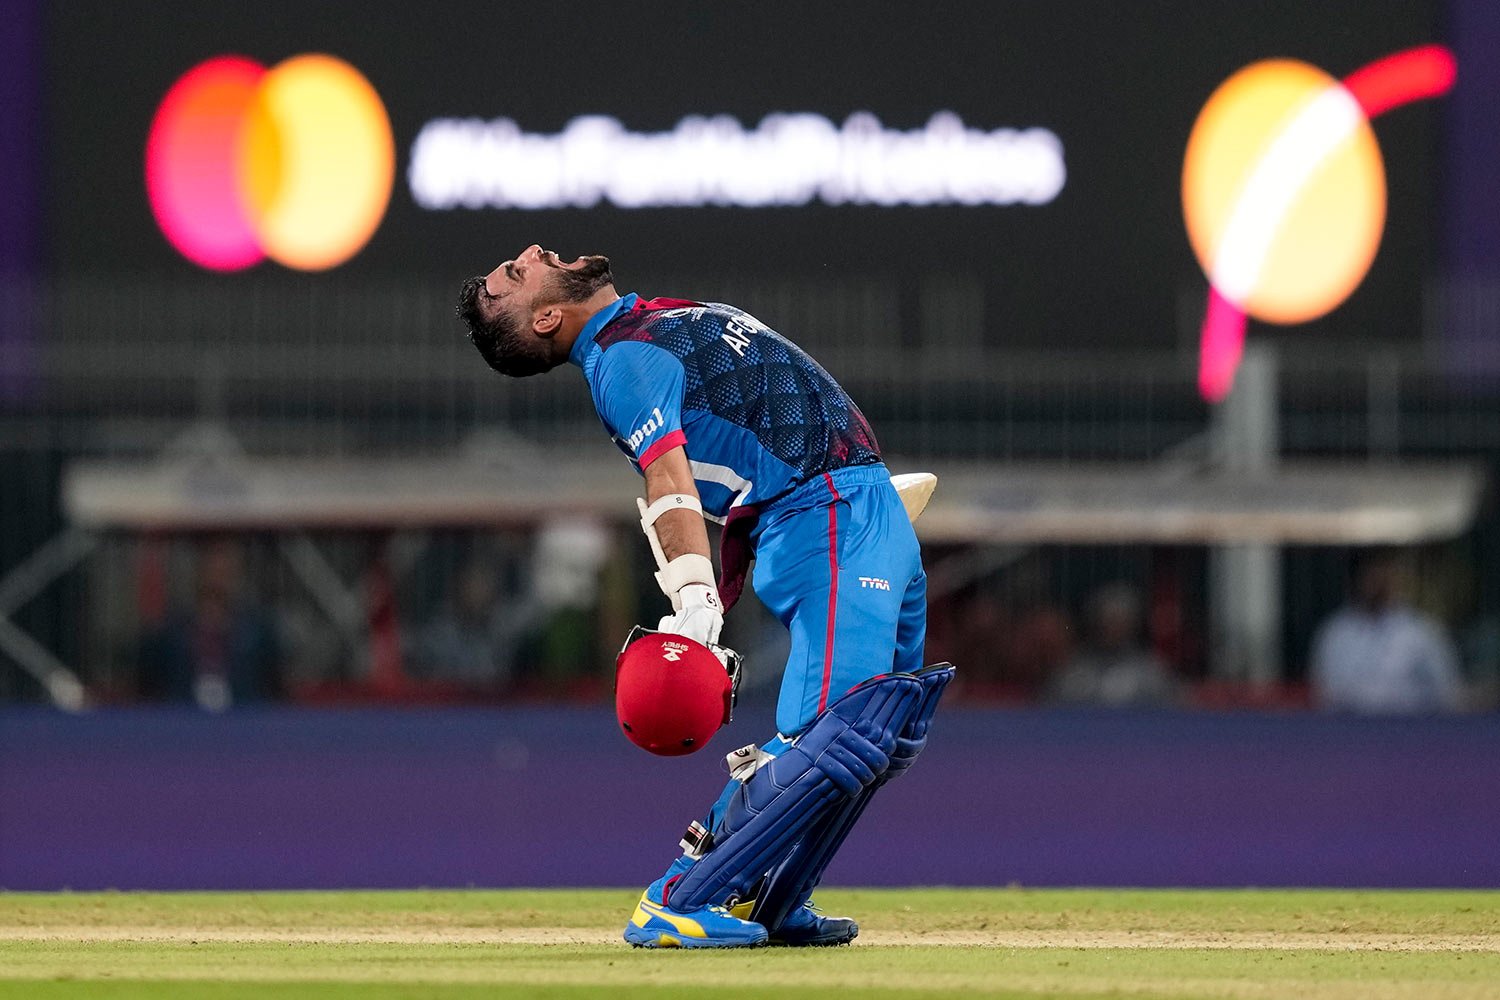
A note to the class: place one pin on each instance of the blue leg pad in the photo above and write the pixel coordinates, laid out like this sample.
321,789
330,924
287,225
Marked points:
846,750
789,885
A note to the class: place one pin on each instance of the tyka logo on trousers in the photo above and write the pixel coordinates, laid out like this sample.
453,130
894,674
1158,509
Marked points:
873,583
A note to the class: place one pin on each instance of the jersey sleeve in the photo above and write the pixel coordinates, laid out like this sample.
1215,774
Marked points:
638,391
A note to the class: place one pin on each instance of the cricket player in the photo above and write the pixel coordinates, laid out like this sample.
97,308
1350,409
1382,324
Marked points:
729,421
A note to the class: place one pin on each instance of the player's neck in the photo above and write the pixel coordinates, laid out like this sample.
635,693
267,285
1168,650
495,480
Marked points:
578,314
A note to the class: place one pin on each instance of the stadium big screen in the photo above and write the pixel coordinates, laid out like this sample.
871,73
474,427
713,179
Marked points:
1034,148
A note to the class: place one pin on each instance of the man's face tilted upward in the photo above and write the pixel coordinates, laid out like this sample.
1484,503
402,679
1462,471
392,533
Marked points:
508,310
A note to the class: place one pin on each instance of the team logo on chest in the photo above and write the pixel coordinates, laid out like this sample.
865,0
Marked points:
737,337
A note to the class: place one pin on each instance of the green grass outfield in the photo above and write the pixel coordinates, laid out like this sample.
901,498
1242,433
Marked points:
1303,945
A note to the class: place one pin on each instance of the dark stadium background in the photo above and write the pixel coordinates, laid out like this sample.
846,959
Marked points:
1100,267
1002,340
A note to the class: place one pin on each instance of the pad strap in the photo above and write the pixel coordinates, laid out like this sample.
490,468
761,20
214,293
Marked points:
744,762
697,841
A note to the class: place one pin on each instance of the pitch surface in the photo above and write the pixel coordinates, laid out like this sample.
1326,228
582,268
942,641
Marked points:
915,943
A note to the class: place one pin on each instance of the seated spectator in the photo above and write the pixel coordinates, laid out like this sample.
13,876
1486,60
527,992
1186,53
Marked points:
221,652
1378,655
1114,669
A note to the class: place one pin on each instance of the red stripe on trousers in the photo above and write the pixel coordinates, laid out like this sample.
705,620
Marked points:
833,587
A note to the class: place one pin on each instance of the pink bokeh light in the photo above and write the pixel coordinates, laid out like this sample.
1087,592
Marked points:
191,164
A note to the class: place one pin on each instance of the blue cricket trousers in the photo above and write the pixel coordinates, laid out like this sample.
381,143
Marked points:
837,563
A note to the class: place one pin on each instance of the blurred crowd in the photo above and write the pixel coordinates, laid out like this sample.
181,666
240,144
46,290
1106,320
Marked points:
537,614
479,616
1142,644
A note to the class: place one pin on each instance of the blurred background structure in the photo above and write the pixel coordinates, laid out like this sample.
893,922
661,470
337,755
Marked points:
262,508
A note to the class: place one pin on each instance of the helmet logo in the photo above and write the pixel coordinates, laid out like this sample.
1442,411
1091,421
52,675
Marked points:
672,651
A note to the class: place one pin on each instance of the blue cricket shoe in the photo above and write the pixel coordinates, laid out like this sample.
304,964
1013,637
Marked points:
654,925
805,927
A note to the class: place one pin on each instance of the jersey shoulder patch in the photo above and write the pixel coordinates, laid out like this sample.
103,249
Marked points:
638,324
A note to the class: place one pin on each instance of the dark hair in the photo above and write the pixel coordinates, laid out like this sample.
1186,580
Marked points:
487,333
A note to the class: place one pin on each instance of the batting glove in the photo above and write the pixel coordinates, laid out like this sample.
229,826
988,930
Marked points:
702,615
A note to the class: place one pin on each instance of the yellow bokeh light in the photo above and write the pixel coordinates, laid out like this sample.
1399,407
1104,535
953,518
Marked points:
1322,235
317,161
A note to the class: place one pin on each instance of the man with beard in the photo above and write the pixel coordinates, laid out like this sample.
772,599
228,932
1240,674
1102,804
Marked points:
728,420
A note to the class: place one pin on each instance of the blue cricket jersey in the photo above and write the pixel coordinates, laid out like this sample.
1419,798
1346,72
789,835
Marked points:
757,416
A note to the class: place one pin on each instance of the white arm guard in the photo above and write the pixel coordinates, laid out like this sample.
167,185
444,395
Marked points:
662,504
684,570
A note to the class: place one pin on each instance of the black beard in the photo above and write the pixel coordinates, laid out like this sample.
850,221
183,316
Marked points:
577,284
517,366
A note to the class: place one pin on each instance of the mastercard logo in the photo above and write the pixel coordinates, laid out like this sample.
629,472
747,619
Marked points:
294,163
1284,192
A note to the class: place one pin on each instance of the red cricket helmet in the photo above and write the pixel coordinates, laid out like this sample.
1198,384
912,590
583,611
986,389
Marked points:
671,692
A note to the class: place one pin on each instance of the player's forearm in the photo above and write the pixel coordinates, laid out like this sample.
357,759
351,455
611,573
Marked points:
681,532
686,575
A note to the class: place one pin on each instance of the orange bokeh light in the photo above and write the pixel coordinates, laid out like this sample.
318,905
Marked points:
294,163
1283,191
